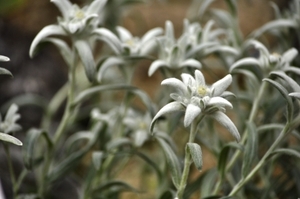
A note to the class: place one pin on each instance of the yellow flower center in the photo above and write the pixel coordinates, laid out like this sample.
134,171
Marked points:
142,125
202,91
79,14
130,42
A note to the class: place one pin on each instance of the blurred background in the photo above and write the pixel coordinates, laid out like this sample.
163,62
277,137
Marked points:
39,78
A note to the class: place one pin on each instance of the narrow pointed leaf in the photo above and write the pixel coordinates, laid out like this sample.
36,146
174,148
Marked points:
44,33
86,56
156,65
172,161
192,111
224,120
110,38
169,108
294,85
284,93
107,63
191,63
30,144
97,158
276,24
4,71
8,138
115,185
196,153
250,149
296,95
291,152
222,160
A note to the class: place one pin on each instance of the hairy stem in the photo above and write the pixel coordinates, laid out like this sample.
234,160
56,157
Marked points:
187,160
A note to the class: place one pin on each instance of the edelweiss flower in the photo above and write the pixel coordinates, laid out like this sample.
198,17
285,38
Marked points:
172,53
76,19
9,125
125,43
138,125
195,97
3,70
267,61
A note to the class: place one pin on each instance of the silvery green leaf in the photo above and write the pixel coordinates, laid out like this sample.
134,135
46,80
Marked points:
110,38
191,63
169,30
109,62
219,101
222,160
64,6
4,58
204,6
45,32
258,45
291,152
12,113
72,160
115,185
292,69
169,108
85,53
290,55
4,71
200,47
196,153
30,146
222,49
172,161
250,64
277,24
97,157
292,83
250,149
176,84
206,30
118,142
191,112
70,143
221,85
156,65
250,76
63,48
124,34
276,10
224,120
232,5
140,136
296,95
224,17
8,138
284,93
151,34
96,6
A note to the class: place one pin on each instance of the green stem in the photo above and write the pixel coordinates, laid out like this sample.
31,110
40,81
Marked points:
62,126
252,115
187,160
243,181
10,169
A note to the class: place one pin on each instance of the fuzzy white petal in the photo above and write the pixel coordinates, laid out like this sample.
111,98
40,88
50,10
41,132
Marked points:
64,7
220,86
124,34
169,108
290,55
156,65
192,111
224,120
219,101
177,84
187,79
200,80
191,63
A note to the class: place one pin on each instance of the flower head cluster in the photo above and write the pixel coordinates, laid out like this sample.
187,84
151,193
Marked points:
172,52
267,61
75,20
195,97
9,125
